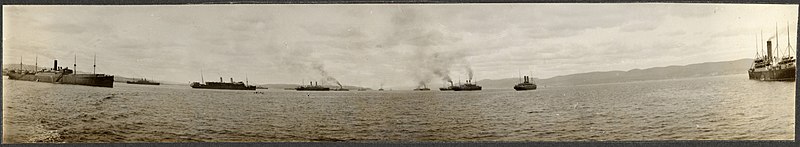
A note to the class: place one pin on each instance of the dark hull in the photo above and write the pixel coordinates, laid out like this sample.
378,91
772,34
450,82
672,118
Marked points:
786,74
313,89
224,87
99,80
143,83
470,88
524,87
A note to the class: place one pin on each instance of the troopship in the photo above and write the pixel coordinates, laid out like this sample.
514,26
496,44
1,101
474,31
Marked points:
469,86
222,85
312,86
526,85
773,68
61,75
143,81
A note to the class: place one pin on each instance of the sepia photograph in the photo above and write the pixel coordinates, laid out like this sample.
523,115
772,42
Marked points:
521,72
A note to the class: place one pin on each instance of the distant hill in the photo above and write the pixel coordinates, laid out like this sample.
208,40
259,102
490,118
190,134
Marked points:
657,73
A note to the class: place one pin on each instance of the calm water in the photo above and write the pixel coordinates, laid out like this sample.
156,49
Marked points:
716,108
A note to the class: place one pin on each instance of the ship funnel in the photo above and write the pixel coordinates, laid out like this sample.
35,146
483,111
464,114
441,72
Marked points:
769,51
55,64
220,79
231,80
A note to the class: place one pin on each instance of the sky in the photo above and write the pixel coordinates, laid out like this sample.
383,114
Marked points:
395,45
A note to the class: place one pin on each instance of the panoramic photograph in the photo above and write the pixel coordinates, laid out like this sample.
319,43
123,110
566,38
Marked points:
398,72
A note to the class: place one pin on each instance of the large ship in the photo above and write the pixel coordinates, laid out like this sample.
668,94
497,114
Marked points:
312,87
469,86
223,85
774,68
525,85
143,81
61,75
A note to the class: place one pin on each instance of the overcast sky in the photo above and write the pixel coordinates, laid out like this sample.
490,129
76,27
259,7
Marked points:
400,45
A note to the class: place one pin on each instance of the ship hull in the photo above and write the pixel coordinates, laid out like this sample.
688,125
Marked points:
467,88
98,80
313,89
524,88
224,88
786,74
129,82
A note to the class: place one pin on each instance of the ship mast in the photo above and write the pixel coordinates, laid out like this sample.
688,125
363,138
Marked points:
94,63
201,76
75,63
36,64
762,43
788,40
778,52
246,81
20,62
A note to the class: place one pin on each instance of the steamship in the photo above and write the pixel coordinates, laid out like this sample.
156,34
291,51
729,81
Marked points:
526,85
469,86
143,82
773,68
223,85
312,86
59,75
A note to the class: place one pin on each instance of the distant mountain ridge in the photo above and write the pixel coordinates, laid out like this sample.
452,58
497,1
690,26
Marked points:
657,73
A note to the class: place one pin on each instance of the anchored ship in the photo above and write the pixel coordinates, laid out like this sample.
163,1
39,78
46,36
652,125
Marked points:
469,86
774,68
143,81
59,75
312,86
526,85
221,85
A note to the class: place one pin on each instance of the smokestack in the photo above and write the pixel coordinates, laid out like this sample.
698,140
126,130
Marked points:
220,79
769,51
316,84
310,83
55,64
231,80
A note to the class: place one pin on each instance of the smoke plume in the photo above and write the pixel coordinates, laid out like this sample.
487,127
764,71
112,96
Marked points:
321,69
469,72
